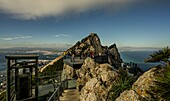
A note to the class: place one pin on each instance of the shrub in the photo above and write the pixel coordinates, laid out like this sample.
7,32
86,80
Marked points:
124,83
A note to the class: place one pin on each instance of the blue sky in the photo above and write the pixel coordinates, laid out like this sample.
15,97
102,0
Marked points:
56,23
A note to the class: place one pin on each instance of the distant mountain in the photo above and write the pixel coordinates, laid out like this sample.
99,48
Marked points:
128,48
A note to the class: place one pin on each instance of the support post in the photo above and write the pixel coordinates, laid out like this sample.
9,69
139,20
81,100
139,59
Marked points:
8,81
36,80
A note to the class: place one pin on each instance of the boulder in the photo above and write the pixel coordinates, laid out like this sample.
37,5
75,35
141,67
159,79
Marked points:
145,84
144,88
95,81
68,71
130,95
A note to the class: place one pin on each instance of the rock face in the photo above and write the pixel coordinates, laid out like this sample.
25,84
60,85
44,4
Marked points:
95,81
92,45
130,95
146,83
144,87
68,71
114,56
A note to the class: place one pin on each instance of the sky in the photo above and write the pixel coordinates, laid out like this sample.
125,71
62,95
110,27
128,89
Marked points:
61,23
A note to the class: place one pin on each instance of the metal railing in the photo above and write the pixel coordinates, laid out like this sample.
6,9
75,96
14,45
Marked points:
58,91
74,60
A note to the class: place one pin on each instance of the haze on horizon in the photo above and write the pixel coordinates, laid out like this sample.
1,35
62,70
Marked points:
60,23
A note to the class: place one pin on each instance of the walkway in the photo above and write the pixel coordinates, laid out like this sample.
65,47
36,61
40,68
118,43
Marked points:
70,95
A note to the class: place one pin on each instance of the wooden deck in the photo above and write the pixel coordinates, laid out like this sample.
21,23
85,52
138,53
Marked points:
70,95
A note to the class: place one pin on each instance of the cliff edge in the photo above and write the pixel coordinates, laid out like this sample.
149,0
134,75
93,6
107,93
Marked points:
91,46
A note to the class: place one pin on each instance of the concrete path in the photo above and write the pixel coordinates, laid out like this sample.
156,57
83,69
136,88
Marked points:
70,95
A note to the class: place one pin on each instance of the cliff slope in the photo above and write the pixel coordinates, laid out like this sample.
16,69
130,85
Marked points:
91,45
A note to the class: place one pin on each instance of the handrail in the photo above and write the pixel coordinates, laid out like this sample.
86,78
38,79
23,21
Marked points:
70,57
54,94
52,76
57,92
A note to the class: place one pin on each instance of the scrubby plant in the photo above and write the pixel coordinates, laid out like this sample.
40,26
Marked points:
162,89
163,85
123,83
162,56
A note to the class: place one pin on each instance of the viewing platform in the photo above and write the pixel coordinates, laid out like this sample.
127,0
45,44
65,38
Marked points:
75,62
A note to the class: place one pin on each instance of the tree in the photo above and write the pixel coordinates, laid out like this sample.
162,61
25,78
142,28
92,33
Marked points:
162,56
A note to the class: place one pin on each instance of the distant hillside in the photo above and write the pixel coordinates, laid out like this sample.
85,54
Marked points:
139,48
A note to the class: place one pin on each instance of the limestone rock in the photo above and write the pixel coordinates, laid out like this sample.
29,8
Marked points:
68,71
130,95
114,56
95,81
147,81
92,44
143,88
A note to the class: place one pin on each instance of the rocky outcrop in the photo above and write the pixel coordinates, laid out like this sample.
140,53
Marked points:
91,45
95,81
68,71
130,95
144,87
114,56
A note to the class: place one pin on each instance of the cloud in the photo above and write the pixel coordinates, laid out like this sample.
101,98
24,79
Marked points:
33,9
61,35
14,38
6,39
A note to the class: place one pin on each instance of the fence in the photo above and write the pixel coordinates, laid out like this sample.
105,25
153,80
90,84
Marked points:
58,91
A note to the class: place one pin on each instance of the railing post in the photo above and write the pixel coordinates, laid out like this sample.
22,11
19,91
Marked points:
58,94
54,97
8,81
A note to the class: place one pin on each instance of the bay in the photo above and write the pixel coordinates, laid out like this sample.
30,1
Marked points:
138,57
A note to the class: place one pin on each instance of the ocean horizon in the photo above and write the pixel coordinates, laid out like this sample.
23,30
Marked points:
137,57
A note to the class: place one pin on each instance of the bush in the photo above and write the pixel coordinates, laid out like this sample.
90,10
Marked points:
162,88
124,83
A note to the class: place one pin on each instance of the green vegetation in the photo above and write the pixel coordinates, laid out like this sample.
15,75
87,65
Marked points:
162,82
162,56
163,85
3,96
124,83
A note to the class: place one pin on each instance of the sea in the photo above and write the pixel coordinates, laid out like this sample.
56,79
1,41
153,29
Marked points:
137,57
